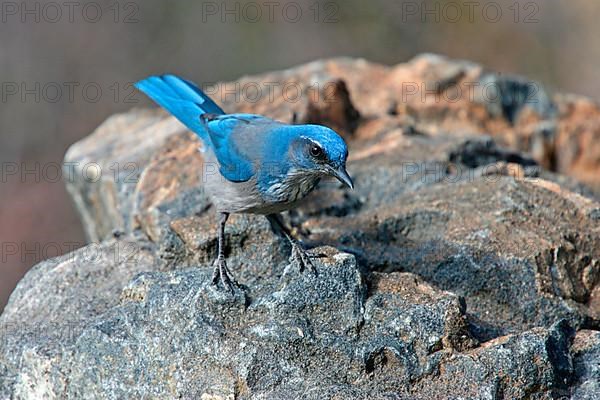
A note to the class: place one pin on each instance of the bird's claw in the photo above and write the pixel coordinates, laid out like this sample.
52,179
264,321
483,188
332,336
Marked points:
222,273
302,258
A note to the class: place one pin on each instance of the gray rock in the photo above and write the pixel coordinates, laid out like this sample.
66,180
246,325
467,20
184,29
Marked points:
457,268
59,297
586,363
509,95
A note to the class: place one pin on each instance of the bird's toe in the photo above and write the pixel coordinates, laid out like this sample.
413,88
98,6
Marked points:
222,274
303,259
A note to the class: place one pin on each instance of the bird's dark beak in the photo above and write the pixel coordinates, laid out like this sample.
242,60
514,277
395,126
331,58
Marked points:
341,174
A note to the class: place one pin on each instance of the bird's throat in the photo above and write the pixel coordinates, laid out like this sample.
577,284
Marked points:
296,185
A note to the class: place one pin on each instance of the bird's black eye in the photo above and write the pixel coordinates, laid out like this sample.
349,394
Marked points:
316,151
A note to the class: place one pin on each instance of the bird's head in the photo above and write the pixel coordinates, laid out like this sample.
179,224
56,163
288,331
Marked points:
320,150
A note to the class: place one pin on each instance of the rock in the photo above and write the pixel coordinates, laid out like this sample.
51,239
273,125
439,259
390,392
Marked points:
332,106
586,364
499,242
512,97
477,153
462,266
102,179
528,365
63,295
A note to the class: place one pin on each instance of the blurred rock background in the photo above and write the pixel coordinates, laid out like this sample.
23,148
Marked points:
64,69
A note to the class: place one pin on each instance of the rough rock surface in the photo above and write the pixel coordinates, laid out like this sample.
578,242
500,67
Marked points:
462,266
586,363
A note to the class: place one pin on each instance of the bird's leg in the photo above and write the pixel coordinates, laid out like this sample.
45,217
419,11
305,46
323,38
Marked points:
299,255
220,265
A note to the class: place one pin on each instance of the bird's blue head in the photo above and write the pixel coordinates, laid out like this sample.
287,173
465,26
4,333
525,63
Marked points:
321,151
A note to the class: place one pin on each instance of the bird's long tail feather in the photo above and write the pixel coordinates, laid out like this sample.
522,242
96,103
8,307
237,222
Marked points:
181,98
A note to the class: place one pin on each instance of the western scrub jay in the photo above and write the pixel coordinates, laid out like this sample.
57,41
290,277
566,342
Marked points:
262,166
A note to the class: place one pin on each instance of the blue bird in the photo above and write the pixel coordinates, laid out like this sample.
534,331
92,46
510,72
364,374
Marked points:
261,166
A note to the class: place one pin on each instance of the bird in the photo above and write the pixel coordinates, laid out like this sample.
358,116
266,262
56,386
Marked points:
252,164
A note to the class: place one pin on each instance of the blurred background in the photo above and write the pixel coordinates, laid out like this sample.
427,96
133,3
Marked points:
65,67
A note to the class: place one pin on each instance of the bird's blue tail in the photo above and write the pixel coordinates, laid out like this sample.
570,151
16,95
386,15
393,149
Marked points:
181,98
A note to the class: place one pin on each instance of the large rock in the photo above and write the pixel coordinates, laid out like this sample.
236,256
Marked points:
586,363
462,266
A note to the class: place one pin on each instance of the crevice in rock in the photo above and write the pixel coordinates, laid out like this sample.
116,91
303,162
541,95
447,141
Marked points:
331,106
475,153
557,346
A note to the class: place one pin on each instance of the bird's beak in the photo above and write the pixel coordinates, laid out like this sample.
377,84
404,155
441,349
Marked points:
341,174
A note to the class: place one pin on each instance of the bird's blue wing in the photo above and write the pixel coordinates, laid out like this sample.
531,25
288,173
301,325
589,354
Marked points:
181,98
238,142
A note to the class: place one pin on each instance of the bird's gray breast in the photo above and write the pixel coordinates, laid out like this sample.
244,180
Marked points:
281,194
293,187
